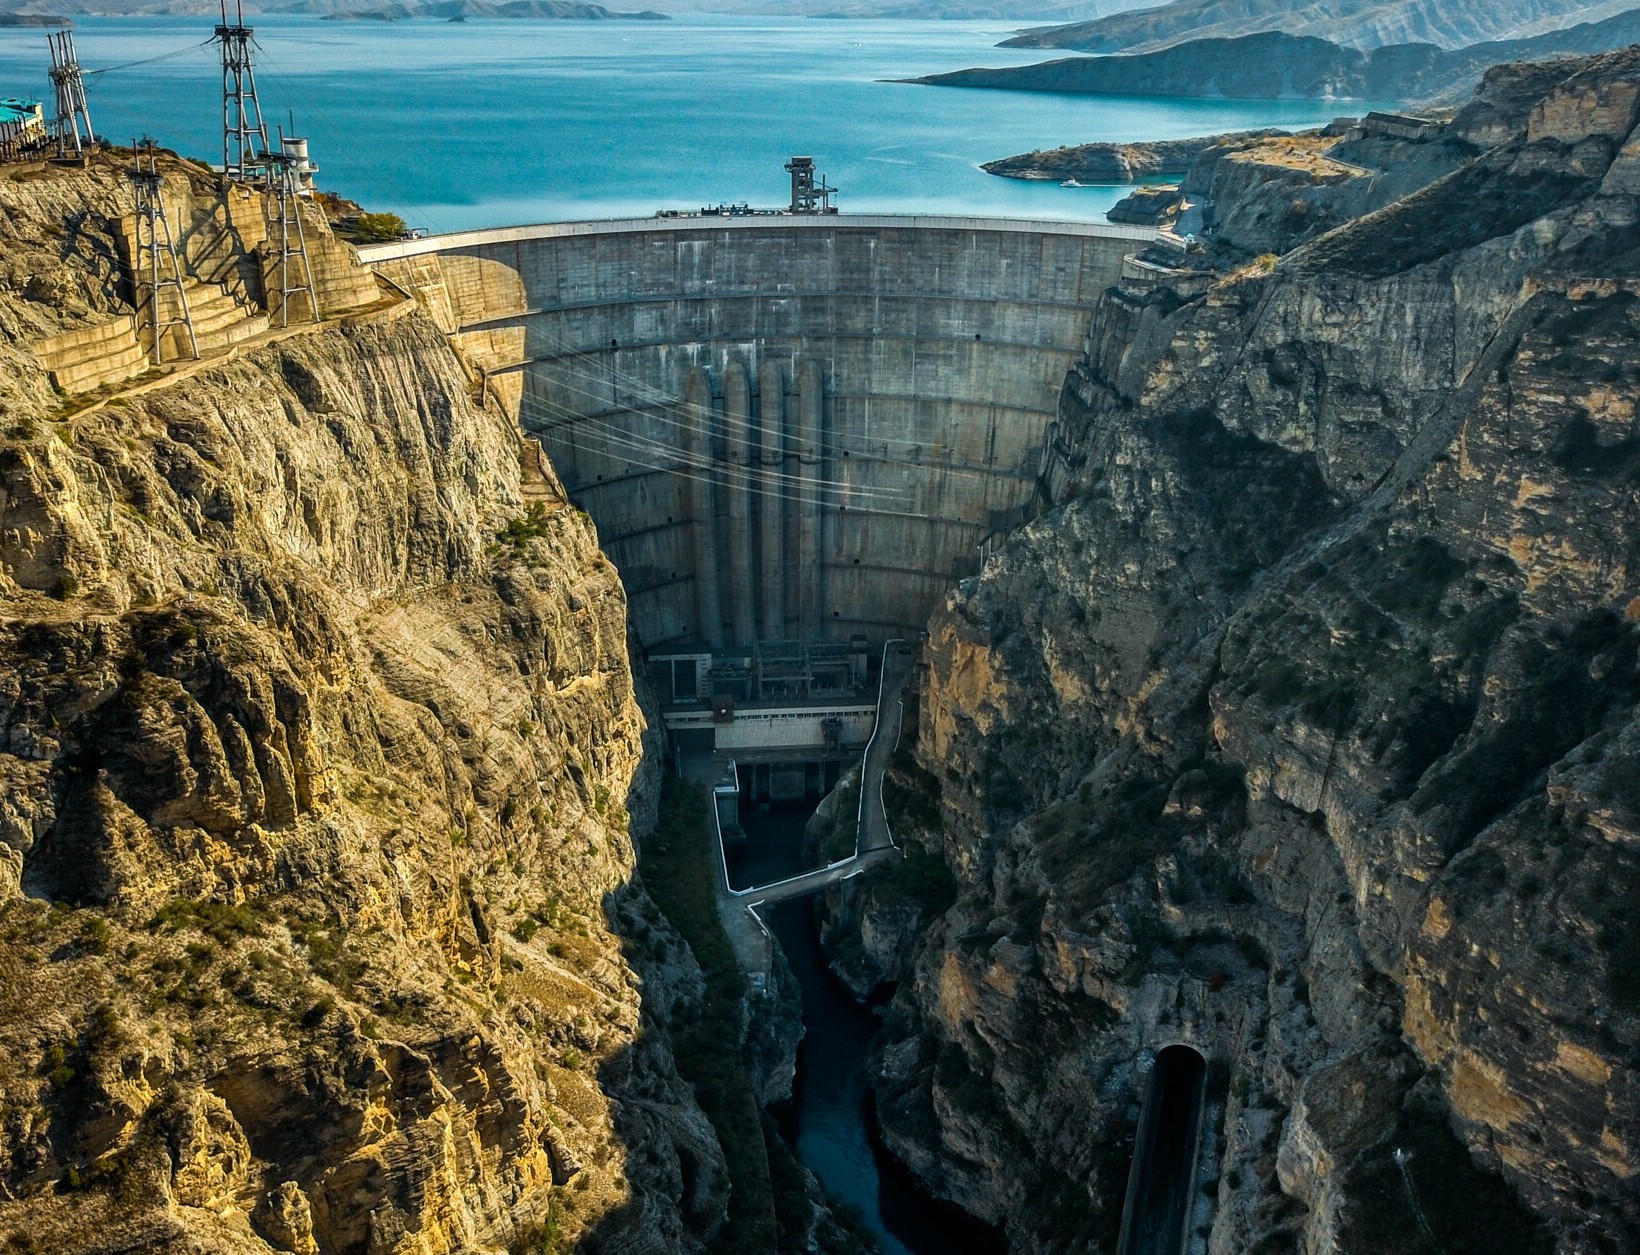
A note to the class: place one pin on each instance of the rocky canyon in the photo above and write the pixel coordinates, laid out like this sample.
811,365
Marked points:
1295,727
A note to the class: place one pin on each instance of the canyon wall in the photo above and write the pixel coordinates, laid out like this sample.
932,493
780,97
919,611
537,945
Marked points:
1302,736
320,762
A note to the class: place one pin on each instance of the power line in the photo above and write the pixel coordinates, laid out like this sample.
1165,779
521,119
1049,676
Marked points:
569,417
668,459
667,401
164,56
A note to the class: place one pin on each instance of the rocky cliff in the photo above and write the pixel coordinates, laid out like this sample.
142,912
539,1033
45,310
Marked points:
319,766
1302,733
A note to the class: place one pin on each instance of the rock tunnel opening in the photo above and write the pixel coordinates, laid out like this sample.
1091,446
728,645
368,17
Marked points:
1161,1185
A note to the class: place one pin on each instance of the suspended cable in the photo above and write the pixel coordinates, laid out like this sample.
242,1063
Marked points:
673,461
670,455
569,417
670,402
164,56
337,137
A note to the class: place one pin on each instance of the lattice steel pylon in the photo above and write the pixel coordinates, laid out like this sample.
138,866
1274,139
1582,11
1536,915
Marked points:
244,133
69,85
154,255
284,212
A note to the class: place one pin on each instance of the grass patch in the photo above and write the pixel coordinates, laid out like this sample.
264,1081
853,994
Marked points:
535,522
222,923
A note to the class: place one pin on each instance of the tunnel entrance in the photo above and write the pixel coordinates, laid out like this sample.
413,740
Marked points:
1161,1185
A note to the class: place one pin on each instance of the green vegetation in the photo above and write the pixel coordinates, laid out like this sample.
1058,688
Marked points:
680,869
328,954
536,521
922,877
219,921
1571,680
845,829
546,1236
375,228
911,795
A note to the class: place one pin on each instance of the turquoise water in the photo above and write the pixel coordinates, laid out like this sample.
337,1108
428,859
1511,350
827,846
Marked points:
491,123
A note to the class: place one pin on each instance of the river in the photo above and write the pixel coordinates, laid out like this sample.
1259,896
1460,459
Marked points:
829,1120
491,123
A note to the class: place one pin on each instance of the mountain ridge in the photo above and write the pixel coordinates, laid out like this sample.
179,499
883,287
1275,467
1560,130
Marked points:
1274,65
1354,23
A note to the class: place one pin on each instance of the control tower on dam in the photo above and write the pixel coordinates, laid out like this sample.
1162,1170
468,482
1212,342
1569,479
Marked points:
787,428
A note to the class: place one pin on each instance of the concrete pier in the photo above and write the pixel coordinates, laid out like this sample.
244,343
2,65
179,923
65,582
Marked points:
809,464
702,506
744,482
911,365
771,393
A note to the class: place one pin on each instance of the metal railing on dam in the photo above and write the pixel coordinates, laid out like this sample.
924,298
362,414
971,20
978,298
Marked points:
785,427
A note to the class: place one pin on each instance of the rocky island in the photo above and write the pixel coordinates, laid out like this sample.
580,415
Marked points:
1291,727
1278,65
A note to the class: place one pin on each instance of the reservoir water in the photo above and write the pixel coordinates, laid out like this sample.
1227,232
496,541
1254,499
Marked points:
489,123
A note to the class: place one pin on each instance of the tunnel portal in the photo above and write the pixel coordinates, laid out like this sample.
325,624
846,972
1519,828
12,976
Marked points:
1162,1182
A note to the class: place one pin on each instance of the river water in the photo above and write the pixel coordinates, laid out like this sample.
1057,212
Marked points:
489,123
829,1120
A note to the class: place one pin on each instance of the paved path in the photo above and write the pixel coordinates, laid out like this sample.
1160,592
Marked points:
874,844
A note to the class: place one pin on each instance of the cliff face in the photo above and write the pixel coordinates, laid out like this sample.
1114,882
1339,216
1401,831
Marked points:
320,751
1301,735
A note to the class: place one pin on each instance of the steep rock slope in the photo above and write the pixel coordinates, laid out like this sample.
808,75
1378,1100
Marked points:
319,750
1301,735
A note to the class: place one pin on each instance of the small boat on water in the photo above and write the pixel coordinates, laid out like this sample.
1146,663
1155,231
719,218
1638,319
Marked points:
1070,183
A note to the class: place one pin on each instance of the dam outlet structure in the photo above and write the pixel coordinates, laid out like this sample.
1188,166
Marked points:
794,433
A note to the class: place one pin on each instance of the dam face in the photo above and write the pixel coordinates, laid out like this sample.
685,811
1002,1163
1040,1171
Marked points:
797,429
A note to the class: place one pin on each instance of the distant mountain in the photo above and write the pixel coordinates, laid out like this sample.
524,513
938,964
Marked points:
1354,23
342,10
969,10
529,10
1278,66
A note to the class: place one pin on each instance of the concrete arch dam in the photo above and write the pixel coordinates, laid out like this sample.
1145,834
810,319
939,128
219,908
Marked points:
786,428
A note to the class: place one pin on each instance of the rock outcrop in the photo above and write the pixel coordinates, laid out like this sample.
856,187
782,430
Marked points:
1115,163
1301,734
319,766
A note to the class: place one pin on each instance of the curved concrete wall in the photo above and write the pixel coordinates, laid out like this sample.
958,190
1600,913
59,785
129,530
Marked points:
784,427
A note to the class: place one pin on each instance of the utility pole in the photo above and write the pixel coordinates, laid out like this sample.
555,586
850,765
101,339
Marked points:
154,261
69,85
244,133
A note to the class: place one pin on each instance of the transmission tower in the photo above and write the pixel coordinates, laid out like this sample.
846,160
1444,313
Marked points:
154,261
284,216
69,85
244,133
